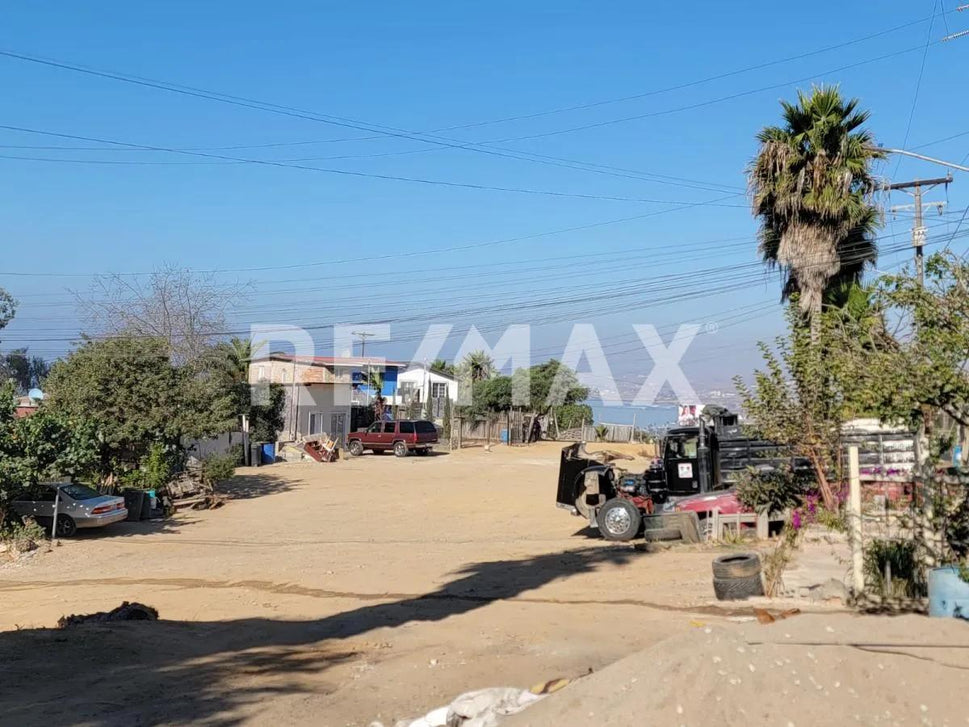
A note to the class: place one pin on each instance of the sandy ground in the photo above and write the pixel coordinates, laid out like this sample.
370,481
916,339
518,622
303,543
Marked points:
339,594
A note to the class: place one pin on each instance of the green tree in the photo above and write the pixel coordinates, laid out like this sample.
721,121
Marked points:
129,388
27,372
570,416
908,378
810,181
478,366
266,417
549,385
442,366
8,307
800,398
41,446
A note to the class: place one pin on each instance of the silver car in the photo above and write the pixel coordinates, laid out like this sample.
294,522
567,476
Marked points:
78,507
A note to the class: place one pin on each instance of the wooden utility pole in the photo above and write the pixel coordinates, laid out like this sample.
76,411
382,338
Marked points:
918,228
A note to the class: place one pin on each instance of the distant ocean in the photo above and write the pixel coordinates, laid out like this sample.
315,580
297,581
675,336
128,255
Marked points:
643,416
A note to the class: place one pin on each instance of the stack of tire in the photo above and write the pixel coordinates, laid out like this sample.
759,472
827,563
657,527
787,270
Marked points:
737,576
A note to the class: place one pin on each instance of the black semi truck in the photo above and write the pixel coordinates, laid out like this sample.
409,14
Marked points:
695,460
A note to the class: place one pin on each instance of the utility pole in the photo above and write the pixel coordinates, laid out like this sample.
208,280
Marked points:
918,229
364,335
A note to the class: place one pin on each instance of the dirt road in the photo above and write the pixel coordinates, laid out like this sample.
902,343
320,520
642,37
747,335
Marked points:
337,594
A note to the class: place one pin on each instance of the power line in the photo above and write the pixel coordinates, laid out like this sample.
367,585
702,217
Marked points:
918,82
710,102
386,131
368,175
564,109
412,253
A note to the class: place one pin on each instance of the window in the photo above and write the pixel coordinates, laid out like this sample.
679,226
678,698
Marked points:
425,428
406,427
284,376
79,492
316,422
390,427
438,390
375,428
261,373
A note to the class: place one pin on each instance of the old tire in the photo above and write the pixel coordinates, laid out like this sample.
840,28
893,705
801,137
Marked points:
655,522
66,527
737,589
355,447
619,520
736,565
655,535
400,449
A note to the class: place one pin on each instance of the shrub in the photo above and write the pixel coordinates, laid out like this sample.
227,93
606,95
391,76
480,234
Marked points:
570,416
770,491
24,536
217,468
902,560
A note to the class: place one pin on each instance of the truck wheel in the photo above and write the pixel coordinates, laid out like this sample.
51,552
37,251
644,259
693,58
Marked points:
355,447
737,589
619,520
656,535
400,449
737,565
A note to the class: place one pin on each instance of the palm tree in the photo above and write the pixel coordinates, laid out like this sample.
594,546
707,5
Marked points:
479,365
810,183
442,366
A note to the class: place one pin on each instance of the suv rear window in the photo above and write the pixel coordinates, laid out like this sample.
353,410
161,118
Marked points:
406,427
389,427
425,428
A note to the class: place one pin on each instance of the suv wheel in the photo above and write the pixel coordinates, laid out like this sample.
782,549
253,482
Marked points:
400,449
355,447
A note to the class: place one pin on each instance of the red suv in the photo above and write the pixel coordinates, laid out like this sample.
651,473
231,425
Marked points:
402,437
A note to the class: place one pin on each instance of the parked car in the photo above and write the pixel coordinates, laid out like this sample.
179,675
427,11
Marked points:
401,437
78,507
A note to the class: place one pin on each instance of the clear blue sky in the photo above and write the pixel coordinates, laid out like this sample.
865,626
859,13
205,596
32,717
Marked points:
430,66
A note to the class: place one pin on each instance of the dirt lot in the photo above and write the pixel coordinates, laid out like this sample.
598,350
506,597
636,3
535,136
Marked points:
338,594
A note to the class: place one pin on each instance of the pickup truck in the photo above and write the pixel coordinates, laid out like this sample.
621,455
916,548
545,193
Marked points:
402,437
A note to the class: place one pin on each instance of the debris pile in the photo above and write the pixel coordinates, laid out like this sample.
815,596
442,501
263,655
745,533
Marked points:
189,490
483,707
125,612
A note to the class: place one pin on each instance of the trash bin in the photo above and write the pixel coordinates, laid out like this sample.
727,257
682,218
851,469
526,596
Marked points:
254,454
134,502
268,452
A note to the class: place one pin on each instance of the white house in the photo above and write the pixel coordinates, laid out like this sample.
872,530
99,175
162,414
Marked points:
419,383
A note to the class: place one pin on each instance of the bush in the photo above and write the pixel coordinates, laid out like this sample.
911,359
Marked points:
570,416
901,558
218,468
24,536
770,491
238,454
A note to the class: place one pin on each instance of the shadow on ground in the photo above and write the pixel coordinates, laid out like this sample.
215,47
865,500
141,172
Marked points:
249,486
222,673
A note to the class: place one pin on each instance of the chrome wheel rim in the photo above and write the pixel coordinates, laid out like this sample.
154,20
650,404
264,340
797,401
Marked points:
618,521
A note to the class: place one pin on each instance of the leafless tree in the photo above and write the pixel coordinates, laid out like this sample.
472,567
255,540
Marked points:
186,309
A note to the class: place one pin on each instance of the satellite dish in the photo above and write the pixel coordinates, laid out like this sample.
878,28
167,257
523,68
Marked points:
35,394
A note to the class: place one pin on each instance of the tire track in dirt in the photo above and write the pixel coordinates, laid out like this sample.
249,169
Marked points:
292,589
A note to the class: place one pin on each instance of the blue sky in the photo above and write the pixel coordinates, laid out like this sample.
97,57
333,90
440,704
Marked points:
432,66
